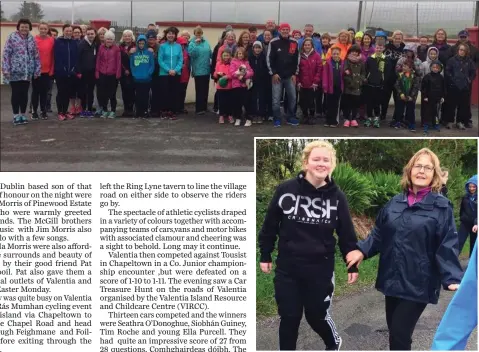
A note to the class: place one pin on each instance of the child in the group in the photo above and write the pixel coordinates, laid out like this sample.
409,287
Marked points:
422,49
108,72
432,55
354,76
325,44
257,95
296,34
127,85
309,80
468,215
367,49
87,52
333,85
460,73
224,86
375,65
433,91
142,64
407,87
41,84
413,62
358,37
241,74
185,75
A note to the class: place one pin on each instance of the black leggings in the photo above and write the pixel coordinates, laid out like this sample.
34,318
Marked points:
107,86
351,106
240,100
170,93
40,90
19,96
402,316
64,87
88,82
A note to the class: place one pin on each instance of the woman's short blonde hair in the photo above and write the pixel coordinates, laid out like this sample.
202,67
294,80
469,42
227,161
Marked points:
345,32
102,30
398,32
185,32
318,144
128,31
437,179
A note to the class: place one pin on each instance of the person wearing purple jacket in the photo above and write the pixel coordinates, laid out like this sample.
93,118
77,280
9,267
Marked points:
108,72
333,86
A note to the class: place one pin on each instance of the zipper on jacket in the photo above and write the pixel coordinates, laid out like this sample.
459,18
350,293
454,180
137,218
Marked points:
69,68
171,57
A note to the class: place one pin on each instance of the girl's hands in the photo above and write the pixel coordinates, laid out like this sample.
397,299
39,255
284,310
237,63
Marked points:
354,258
266,267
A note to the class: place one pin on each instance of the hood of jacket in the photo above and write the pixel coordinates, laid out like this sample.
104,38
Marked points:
472,180
428,59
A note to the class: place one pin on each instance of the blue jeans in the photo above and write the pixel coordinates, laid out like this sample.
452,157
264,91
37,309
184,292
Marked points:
277,91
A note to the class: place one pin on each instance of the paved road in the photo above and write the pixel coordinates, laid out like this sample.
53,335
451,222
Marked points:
361,322
193,143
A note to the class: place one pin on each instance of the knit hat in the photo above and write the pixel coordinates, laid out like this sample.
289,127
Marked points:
257,43
359,35
436,62
284,25
150,34
223,81
381,34
463,33
296,31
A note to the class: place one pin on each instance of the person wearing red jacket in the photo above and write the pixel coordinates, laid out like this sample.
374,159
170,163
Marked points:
309,80
40,85
108,72
185,74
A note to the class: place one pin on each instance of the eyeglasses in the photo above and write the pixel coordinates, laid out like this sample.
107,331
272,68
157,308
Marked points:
426,168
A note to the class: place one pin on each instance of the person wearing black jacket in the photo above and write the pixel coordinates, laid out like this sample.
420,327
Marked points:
127,85
393,52
433,91
415,235
87,50
283,65
468,215
303,215
257,95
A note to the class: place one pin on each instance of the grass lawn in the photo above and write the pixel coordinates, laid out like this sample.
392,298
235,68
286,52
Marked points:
265,303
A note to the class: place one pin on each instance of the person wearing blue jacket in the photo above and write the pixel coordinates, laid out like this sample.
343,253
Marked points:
460,318
65,53
468,215
416,238
170,59
142,65
308,33
200,54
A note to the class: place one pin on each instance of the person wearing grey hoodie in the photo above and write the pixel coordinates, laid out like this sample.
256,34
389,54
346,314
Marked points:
432,55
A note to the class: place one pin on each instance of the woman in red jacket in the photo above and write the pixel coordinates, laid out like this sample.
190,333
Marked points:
309,80
185,74
108,72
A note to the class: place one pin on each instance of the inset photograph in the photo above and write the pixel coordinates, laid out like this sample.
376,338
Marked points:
366,244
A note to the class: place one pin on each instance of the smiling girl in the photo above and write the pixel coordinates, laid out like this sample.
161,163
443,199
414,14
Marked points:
304,214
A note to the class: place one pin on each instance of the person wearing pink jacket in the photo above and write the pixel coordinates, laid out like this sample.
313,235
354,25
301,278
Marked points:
108,72
241,74
309,80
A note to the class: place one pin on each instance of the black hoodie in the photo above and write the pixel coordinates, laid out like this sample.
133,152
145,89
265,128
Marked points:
305,218
259,67
433,85
87,56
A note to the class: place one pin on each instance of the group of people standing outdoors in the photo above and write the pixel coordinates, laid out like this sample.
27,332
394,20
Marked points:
414,234
355,77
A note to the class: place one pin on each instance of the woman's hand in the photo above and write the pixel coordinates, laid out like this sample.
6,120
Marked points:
352,277
474,229
453,287
354,257
266,267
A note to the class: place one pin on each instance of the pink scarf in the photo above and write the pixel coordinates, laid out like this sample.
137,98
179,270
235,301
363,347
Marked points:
416,198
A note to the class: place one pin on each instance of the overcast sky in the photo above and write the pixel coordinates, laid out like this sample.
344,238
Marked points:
325,15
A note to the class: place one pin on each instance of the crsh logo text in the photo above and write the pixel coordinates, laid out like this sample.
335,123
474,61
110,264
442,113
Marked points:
305,209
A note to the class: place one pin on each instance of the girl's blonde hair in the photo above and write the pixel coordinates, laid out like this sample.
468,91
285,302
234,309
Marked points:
243,50
318,144
198,30
185,32
437,178
102,30
128,31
